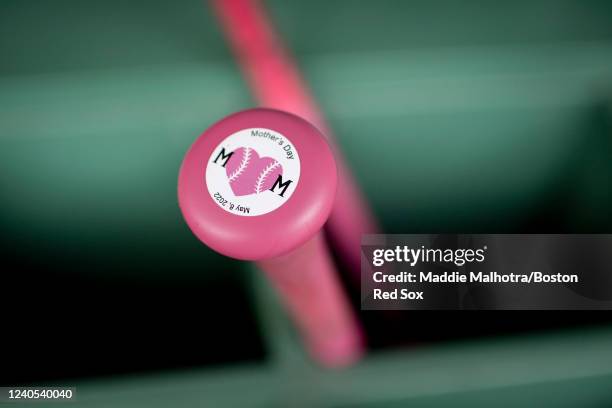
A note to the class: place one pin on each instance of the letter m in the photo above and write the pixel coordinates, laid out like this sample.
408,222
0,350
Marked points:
224,157
279,183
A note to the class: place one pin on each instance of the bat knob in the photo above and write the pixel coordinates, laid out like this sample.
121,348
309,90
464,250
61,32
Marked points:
257,184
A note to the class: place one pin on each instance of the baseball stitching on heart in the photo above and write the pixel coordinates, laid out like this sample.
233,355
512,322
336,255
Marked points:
264,174
246,157
248,173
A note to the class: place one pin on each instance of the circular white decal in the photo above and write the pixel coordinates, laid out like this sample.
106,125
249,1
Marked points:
252,172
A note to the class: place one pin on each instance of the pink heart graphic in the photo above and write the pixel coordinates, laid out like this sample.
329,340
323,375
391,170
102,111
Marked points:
249,174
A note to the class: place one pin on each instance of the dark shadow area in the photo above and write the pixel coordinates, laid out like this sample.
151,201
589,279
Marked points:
60,325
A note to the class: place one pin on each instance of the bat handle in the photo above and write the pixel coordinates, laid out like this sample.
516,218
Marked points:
309,288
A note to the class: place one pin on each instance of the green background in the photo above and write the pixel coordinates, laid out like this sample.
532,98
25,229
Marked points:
469,116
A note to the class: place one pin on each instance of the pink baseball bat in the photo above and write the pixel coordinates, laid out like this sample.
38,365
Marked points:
259,185
276,83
